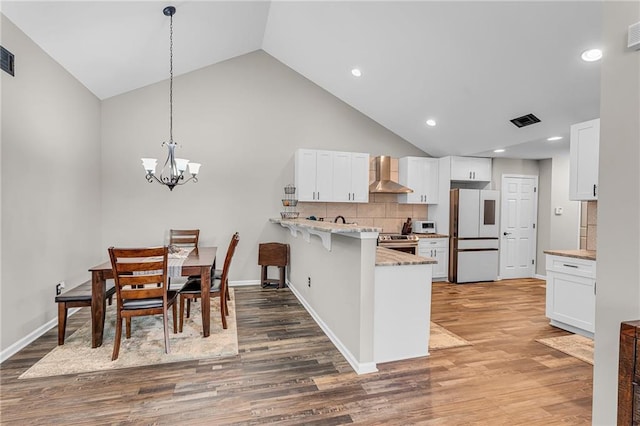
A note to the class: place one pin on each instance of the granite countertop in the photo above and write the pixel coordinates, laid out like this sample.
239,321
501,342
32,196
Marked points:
578,254
389,257
431,235
334,228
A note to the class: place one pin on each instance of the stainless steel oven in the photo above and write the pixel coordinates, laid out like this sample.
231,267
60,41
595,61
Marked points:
404,243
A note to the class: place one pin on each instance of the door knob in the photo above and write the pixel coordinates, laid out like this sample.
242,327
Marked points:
506,233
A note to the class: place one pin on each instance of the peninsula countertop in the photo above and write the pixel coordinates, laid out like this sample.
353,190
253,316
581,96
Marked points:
389,257
578,254
318,225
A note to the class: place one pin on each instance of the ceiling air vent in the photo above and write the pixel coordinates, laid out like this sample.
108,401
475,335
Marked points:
6,60
525,120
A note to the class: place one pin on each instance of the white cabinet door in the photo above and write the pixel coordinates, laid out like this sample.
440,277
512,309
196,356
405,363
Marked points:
324,176
571,293
470,169
314,175
342,176
584,152
441,269
305,174
421,175
350,177
437,248
571,300
360,177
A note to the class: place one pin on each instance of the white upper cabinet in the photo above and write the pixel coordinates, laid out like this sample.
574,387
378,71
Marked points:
583,169
314,175
350,177
332,176
421,175
473,169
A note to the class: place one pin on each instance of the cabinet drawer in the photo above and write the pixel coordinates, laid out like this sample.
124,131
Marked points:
429,243
573,266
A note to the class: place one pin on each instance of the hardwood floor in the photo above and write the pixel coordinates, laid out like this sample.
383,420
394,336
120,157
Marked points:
288,372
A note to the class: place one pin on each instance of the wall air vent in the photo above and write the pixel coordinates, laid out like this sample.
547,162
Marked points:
525,120
6,60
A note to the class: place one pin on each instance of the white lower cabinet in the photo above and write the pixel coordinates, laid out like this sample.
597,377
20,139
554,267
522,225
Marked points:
571,294
437,248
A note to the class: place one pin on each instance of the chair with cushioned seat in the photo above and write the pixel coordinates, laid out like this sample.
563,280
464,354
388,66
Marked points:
218,286
140,276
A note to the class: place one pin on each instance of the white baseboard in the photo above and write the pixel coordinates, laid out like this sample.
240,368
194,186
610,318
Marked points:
31,337
242,283
358,367
540,277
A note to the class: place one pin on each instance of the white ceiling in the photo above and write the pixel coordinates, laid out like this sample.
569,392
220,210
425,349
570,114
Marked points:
472,65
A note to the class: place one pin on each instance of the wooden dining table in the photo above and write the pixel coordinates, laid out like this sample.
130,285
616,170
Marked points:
200,261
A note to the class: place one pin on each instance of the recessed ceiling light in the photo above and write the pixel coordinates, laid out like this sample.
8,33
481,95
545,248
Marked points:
356,72
591,55
498,150
554,138
431,122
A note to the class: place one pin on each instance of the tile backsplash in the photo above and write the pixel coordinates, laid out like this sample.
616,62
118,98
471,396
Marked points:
382,210
588,225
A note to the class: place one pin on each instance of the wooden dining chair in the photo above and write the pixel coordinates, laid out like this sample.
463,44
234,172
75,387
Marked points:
218,287
183,238
140,276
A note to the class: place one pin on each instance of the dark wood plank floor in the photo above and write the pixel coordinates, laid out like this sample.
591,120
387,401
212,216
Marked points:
288,372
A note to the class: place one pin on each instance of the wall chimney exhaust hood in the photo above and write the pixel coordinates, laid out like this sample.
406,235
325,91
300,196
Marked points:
383,183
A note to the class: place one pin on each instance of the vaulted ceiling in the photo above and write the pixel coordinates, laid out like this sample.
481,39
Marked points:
471,66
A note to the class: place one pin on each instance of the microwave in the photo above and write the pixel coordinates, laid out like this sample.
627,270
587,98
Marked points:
424,227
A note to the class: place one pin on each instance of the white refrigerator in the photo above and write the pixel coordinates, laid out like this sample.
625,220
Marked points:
474,235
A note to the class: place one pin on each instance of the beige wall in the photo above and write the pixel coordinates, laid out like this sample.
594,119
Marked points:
545,189
51,212
618,245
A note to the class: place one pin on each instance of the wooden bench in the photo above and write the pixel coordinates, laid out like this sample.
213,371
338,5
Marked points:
76,298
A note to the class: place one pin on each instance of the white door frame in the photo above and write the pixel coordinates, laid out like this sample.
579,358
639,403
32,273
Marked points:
534,240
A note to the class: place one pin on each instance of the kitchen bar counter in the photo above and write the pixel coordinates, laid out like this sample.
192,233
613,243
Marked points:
577,254
319,225
373,303
389,257
325,230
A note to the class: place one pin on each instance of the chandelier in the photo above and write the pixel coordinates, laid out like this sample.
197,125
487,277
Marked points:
172,173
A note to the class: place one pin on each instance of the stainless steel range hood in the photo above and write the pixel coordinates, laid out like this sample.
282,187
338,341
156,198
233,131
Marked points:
383,183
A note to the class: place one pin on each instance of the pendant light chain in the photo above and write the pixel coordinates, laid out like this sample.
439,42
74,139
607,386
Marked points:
171,80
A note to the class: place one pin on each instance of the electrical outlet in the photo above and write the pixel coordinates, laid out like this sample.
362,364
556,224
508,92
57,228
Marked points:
309,281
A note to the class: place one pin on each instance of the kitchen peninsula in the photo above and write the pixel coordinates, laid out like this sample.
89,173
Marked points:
373,303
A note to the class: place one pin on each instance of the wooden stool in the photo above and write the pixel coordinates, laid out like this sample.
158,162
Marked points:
273,254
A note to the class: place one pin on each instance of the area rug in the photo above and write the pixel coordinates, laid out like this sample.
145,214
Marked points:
574,344
441,338
146,345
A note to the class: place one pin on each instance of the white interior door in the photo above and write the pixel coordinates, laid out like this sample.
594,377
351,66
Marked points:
518,226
